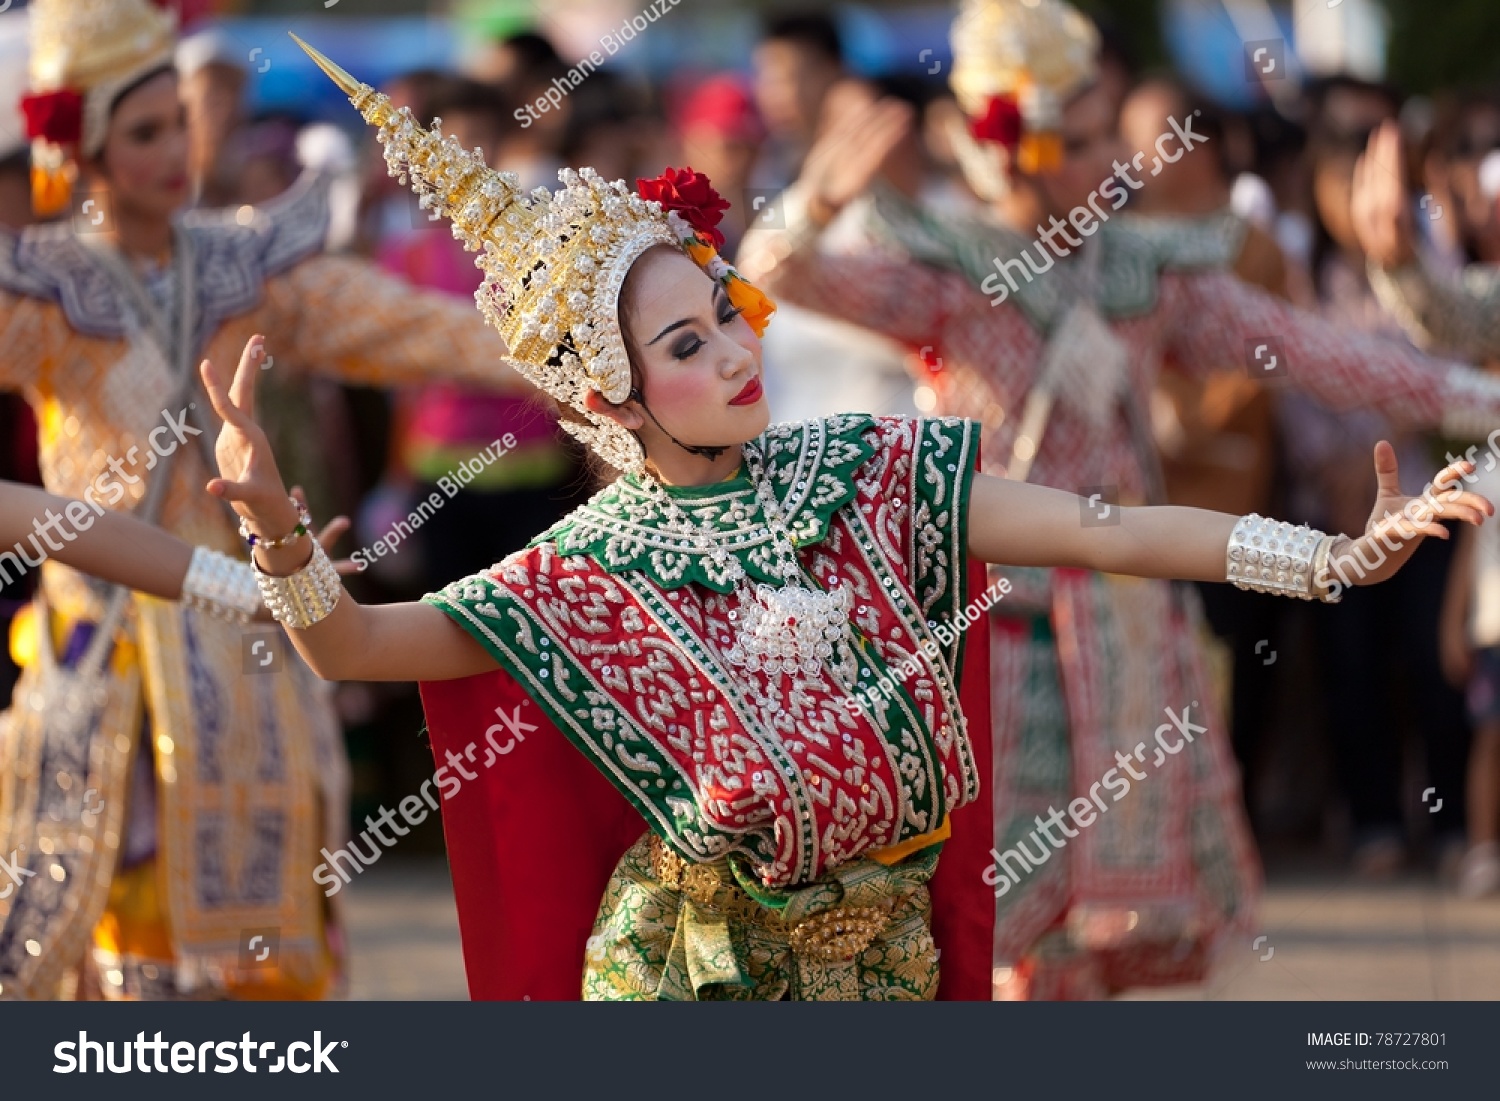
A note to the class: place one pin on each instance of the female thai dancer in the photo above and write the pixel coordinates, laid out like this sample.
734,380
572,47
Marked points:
707,630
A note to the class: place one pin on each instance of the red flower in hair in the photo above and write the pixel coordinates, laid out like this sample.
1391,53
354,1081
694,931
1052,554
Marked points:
1002,122
55,116
691,195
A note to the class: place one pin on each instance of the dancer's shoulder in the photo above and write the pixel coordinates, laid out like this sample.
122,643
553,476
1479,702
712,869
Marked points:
269,238
47,261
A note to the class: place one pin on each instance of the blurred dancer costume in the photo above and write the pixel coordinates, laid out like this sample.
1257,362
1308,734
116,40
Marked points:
1460,314
699,647
1057,369
186,801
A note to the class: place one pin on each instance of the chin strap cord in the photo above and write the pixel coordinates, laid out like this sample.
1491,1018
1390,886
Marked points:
693,449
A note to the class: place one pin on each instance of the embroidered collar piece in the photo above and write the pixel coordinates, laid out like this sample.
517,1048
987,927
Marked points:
720,535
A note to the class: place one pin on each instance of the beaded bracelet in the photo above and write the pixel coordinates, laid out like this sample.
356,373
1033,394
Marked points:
304,525
1272,556
306,597
221,586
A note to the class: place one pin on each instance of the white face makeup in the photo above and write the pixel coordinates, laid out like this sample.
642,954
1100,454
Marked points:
699,359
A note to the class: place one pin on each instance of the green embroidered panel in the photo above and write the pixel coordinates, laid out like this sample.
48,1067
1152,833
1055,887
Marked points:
624,527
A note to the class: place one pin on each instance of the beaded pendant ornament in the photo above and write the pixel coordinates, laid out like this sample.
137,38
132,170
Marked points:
791,629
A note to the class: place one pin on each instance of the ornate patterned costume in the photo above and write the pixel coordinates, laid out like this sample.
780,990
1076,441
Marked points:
249,773
1142,898
791,834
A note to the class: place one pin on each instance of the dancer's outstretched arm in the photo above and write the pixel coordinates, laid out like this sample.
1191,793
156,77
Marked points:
1011,523
1027,525
407,642
111,545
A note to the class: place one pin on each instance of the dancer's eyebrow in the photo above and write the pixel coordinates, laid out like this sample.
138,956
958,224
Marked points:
717,292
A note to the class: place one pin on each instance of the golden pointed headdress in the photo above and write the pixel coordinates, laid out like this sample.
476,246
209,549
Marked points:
84,53
553,263
1025,56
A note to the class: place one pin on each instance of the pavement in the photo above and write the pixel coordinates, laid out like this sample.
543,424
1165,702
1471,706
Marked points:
1328,937
403,933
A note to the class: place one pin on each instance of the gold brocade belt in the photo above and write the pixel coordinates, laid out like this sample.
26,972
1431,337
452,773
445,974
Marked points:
838,933
671,929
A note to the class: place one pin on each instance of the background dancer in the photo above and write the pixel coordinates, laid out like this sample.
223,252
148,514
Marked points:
1052,314
235,785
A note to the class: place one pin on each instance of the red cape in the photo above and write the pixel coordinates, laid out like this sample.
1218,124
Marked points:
533,840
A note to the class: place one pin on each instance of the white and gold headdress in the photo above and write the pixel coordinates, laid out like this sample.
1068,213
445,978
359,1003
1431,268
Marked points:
84,53
1016,63
553,262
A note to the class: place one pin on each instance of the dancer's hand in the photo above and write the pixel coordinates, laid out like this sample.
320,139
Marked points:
849,152
1399,523
248,479
1379,204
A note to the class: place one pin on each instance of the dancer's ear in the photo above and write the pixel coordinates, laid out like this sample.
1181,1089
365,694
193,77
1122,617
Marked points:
626,415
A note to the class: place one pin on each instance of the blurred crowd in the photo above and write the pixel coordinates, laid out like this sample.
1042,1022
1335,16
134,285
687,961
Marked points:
1347,179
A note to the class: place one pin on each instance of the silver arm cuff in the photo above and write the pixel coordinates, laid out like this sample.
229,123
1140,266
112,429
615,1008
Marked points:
1272,556
306,597
221,586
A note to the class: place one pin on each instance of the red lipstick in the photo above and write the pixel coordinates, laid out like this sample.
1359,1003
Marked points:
750,394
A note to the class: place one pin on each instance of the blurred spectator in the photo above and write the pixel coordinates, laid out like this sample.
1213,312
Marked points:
1452,316
1488,245
387,207
1117,64
522,67
816,365
798,61
1395,628
262,159
1196,184
612,129
1467,129
720,132
516,62
1470,644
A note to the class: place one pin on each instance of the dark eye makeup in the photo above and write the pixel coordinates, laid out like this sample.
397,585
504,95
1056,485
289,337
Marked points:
689,344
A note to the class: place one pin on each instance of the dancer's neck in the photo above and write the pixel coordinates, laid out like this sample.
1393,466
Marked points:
142,238
695,470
